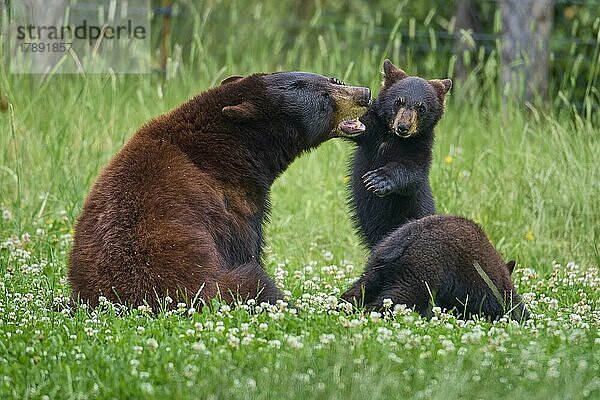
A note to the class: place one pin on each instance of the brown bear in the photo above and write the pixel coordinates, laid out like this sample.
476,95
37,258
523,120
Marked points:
443,260
179,211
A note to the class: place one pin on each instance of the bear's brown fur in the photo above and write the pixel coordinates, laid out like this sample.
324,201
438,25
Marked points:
179,210
442,260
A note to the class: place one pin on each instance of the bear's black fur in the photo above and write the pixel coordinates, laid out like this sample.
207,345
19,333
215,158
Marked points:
179,210
439,259
390,168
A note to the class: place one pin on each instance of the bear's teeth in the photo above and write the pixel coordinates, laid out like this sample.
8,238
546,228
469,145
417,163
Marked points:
352,126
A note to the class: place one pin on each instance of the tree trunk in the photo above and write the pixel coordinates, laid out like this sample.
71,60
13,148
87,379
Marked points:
526,26
463,29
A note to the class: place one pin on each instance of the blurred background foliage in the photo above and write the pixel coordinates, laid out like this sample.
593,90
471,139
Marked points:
525,170
424,37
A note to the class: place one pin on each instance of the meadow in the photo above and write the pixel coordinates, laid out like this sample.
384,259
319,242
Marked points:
528,175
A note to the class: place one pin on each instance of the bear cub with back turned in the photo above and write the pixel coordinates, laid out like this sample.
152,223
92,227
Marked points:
390,168
439,259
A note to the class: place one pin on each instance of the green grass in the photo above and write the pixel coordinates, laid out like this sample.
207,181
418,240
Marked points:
530,178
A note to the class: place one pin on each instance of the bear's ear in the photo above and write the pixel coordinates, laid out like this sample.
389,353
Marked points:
441,86
244,110
510,266
391,73
230,79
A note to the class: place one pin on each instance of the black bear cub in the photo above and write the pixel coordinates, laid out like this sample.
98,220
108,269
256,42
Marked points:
443,260
390,168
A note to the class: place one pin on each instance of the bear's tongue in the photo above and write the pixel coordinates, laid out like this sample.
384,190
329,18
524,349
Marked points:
352,126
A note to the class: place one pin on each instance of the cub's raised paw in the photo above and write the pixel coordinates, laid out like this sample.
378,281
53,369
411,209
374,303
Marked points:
377,181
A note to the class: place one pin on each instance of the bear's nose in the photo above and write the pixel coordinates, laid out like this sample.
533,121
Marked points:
402,128
365,97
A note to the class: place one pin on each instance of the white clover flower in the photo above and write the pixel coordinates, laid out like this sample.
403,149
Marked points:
137,350
224,308
152,343
25,238
387,303
90,331
263,326
102,300
345,306
277,316
275,343
147,387
294,342
282,305
246,340
326,338
575,319
234,341
6,215
298,274
266,306
199,346
401,309
375,316
198,326
552,373
331,302
448,345
383,334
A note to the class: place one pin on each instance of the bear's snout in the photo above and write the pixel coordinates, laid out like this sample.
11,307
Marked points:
351,103
402,129
405,123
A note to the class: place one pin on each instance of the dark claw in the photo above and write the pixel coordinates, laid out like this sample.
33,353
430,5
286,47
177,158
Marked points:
377,182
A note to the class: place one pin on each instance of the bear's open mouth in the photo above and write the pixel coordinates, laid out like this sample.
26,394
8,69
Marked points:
351,127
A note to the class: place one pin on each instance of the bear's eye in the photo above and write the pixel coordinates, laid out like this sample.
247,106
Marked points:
336,81
421,108
400,102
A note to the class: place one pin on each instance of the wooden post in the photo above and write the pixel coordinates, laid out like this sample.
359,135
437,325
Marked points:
526,26
464,23
165,34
